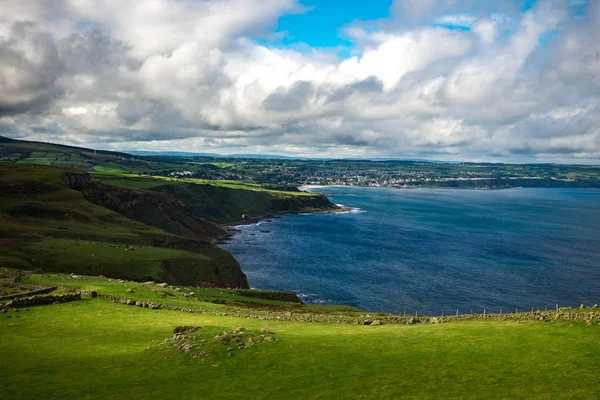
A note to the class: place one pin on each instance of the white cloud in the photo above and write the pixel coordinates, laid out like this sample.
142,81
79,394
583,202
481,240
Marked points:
463,20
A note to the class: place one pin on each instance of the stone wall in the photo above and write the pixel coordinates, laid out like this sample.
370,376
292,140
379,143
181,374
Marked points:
562,315
41,300
41,290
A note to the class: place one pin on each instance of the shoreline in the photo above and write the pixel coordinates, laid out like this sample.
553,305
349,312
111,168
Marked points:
231,231
306,188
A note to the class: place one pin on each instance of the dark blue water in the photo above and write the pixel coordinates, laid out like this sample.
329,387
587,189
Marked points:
431,250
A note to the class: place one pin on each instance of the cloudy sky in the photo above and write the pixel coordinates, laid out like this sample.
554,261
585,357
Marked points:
493,80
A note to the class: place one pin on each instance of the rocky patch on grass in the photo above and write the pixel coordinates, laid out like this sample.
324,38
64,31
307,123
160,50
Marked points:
241,339
190,340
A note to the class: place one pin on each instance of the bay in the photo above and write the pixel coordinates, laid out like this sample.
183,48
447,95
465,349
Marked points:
433,250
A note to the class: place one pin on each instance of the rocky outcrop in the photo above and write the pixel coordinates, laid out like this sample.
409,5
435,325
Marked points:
77,180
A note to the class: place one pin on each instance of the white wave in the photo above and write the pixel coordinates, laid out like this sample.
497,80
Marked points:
353,210
309,187
318,301
244,227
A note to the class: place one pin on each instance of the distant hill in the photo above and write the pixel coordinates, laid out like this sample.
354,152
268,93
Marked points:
212,155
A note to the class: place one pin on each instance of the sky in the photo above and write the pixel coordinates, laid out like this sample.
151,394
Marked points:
456,80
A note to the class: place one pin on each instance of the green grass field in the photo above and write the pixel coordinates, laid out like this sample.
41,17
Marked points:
95,349
133,181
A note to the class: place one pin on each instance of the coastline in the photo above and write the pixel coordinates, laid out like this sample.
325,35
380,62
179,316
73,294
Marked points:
306,188
231,231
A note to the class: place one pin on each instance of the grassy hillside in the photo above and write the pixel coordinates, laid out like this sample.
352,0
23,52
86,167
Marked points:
227,205
222,201
27,152
46,225
136,354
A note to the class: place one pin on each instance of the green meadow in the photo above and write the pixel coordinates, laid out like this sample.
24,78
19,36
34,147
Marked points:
96,349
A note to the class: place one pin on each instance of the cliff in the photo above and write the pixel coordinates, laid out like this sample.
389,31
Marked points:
152,208
224,205
59,220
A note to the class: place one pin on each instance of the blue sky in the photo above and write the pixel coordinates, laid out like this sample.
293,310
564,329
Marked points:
322,24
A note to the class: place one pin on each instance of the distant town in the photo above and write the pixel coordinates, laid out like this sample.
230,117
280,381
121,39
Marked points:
397,174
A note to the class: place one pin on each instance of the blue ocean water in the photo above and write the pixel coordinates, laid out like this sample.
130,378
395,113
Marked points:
433,250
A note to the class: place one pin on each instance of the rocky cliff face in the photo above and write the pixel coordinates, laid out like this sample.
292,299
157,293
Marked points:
155,209
77,181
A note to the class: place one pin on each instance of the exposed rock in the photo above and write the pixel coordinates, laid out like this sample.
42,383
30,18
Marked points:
376,323
267,330
186,329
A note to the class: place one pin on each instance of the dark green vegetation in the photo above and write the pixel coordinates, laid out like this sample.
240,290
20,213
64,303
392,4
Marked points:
59,219
46,225
97,349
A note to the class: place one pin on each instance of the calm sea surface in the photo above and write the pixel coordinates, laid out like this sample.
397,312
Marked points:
433,250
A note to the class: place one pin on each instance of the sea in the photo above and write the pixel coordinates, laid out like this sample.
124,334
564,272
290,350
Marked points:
432,251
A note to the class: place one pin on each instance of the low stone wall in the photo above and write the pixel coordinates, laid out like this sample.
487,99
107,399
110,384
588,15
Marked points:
42,290
67,288
41,300
562,315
